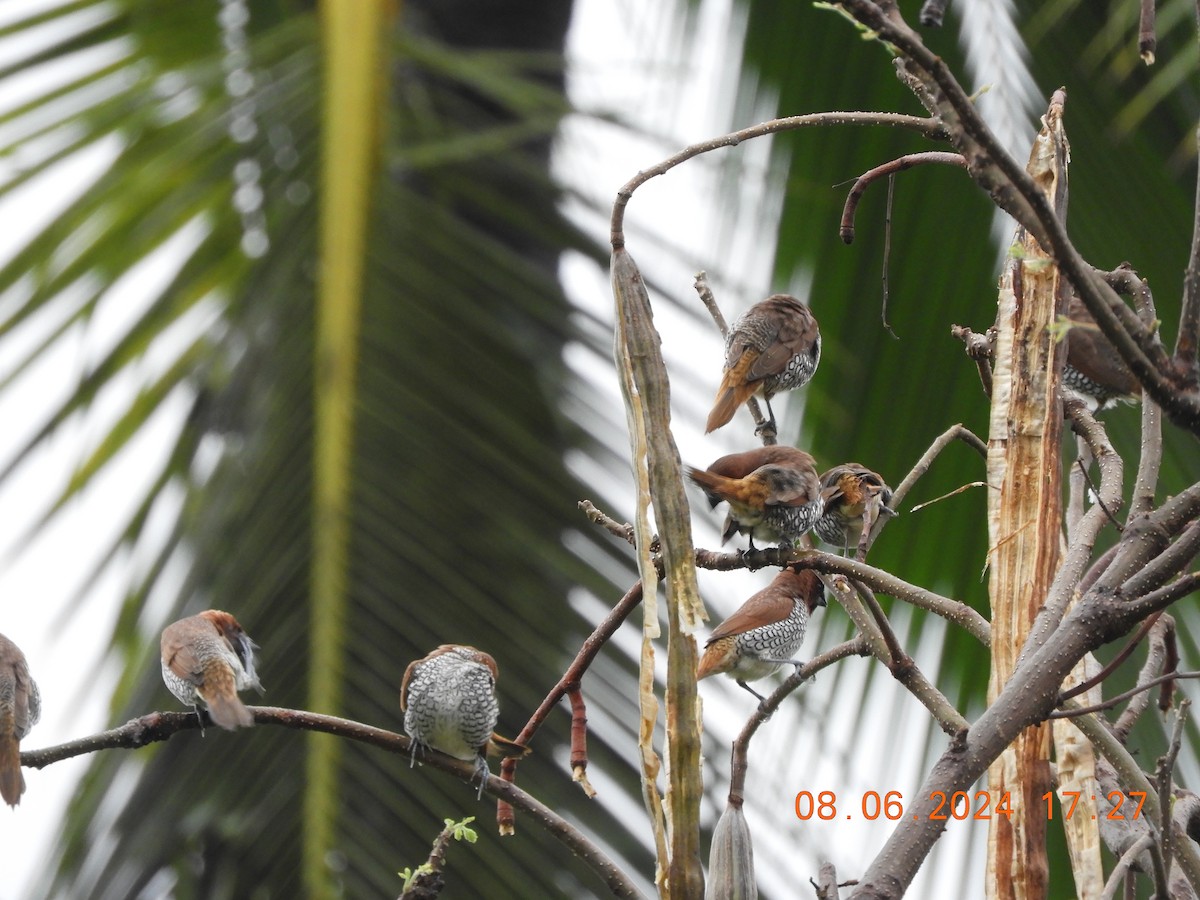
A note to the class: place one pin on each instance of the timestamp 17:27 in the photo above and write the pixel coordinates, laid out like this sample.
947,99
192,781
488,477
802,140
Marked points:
961,805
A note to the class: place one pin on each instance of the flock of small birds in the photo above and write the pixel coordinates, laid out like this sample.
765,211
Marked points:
774,494
449,697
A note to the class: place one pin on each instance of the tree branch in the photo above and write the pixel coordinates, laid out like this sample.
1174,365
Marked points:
900,164
995,170
930,128
159,726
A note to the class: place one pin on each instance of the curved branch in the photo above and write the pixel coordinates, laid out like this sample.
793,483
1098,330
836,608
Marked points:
995,170
900,164
883,582
930,128
159,726
856,646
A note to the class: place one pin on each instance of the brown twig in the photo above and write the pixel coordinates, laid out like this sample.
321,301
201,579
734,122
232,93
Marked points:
856,646
930,128
1163,779
826,884
573,677
980,348
1170,663
159,726
596,516
1147,39
887,255
1077,711
884,582
875,629
1131,645
1187,342
901,164
953,433
428,881
1014,190
579,757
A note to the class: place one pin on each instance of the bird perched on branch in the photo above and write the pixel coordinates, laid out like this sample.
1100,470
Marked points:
449,702
1094,372
739,465
775,346
776,502
210,657
20,708
766,631
855,497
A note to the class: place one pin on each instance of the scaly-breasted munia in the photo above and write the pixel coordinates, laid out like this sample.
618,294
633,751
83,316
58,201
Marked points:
20,708
775,502
766,631
210,657
449,702
739,465
1094,372
855,497
775,346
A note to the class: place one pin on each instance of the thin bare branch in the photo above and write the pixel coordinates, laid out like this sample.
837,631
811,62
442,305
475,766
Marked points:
856,646
1163,774
877,631
1075,711
884,582
1157,663
1187,342
953,433
159,726
1147,39
980,349
901,164
930,128
596,516
1127,860
1070,575
1115,663
1011,187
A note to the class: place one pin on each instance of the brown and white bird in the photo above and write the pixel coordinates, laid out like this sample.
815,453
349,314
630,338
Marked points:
766,631
449,702
741,464
776,502
210,657
855,497
1094,372
20,708
774,346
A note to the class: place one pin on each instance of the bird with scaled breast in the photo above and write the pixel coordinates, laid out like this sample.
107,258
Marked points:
774,346
765,632
854,497
774,493
209,657
20,709
1094,372
449,702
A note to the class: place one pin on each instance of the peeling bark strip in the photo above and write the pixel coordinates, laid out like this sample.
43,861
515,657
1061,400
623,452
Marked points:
659,475
1025,514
